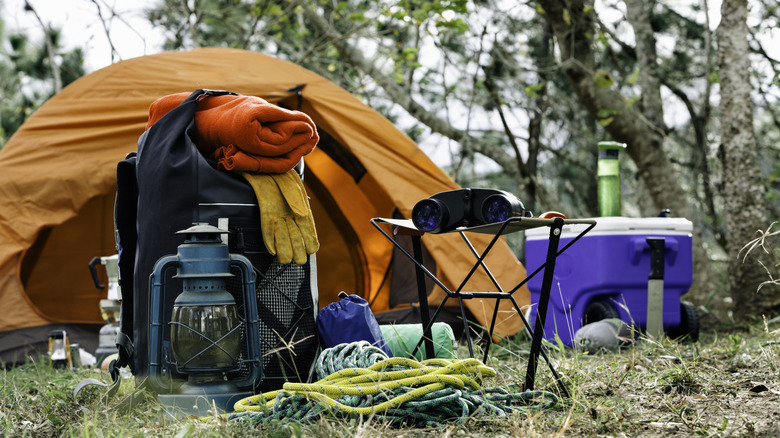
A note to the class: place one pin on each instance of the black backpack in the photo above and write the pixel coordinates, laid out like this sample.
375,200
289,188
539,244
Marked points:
166,187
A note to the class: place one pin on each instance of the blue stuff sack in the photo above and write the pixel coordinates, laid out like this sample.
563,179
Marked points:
349,320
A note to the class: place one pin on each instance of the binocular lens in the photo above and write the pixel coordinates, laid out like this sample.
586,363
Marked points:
496,208
427,215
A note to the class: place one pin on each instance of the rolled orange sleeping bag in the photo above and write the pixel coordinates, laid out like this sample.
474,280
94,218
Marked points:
246,133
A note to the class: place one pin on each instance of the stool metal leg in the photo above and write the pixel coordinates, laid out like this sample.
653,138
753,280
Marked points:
423,298
544,298
542,351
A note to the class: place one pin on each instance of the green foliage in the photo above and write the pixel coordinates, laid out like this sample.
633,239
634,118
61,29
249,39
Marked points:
633,78
26,77
533,90
603,79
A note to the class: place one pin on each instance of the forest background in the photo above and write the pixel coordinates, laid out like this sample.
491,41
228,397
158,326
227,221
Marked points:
509,94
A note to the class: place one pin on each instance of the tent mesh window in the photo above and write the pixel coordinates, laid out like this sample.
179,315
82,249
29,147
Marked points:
285,307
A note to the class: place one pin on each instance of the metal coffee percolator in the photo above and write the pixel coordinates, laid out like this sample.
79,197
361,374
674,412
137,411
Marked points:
109,307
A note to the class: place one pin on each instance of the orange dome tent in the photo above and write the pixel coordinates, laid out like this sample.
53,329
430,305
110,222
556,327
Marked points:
57,186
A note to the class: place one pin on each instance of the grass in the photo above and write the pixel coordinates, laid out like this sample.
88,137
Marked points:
727,384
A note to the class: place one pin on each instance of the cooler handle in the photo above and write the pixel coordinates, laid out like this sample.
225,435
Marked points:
639,246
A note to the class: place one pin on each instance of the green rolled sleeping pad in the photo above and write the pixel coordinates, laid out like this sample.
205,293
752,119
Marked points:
402,338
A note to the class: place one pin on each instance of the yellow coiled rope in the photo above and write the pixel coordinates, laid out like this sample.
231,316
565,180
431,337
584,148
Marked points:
425,377
359,379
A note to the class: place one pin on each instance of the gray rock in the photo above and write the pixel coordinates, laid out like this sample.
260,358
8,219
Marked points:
607,334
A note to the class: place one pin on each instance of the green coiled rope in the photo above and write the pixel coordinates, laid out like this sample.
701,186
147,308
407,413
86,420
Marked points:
359,354
399,390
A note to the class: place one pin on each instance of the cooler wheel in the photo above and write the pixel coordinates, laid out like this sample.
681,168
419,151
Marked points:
598,310
689,324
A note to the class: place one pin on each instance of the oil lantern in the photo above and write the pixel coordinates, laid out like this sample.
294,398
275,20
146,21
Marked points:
208,354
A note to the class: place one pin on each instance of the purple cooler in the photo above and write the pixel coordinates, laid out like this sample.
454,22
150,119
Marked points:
605,273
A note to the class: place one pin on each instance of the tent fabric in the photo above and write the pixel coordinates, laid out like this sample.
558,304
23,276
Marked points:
58,173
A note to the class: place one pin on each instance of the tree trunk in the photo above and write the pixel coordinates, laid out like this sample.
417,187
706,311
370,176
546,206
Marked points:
649,81
573,27
744,193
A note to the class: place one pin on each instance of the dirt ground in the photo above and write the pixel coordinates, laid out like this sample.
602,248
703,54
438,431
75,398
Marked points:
724,385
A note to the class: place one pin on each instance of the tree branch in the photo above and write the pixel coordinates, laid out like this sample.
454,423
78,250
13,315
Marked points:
356,58
50,53
106,30
509,135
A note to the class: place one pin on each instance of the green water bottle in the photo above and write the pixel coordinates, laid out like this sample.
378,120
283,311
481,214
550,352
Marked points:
609,178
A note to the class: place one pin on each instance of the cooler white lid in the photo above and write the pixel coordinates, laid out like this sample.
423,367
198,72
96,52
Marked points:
621,225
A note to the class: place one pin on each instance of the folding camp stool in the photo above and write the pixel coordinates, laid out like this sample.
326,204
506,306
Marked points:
511,225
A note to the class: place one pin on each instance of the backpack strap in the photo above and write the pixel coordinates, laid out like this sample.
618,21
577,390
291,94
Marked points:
125,215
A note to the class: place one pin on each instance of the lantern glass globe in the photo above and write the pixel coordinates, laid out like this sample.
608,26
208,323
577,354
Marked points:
204,337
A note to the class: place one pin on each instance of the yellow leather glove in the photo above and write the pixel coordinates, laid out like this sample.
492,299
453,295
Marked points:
285,215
